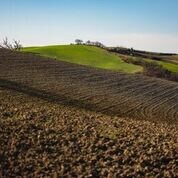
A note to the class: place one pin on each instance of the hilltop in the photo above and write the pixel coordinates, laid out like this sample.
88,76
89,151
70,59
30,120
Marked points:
159,65
86,55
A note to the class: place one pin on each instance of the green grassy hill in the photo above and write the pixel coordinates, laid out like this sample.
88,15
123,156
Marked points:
170,66
86,55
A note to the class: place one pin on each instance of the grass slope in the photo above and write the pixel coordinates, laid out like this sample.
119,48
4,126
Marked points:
170,66
86,55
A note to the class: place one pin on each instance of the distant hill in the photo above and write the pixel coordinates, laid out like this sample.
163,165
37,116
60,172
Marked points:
86,55
168,60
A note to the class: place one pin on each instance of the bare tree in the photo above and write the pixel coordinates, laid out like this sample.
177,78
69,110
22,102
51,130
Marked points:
6,44
15,45
78,41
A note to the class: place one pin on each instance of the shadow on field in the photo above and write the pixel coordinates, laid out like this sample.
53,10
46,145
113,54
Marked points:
47,96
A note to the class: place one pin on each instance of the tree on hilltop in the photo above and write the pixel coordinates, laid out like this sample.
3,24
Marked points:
78,41
88,42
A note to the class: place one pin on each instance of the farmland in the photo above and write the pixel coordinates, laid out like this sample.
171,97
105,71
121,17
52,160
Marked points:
99,90
60,119
66,141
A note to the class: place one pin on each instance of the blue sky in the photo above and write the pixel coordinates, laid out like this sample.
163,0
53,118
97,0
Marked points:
142,24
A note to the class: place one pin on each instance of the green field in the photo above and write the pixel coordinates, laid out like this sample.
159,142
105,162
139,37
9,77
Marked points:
85,55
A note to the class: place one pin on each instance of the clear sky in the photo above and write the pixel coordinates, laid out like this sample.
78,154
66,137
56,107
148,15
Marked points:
141,24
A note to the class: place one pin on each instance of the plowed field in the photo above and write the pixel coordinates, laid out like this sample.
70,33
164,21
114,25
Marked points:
107,92
64,120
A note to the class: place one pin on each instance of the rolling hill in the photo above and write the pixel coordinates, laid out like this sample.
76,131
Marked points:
105,91
78,120
85,55
101,58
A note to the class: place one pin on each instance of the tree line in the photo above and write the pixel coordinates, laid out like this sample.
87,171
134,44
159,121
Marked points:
90,43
